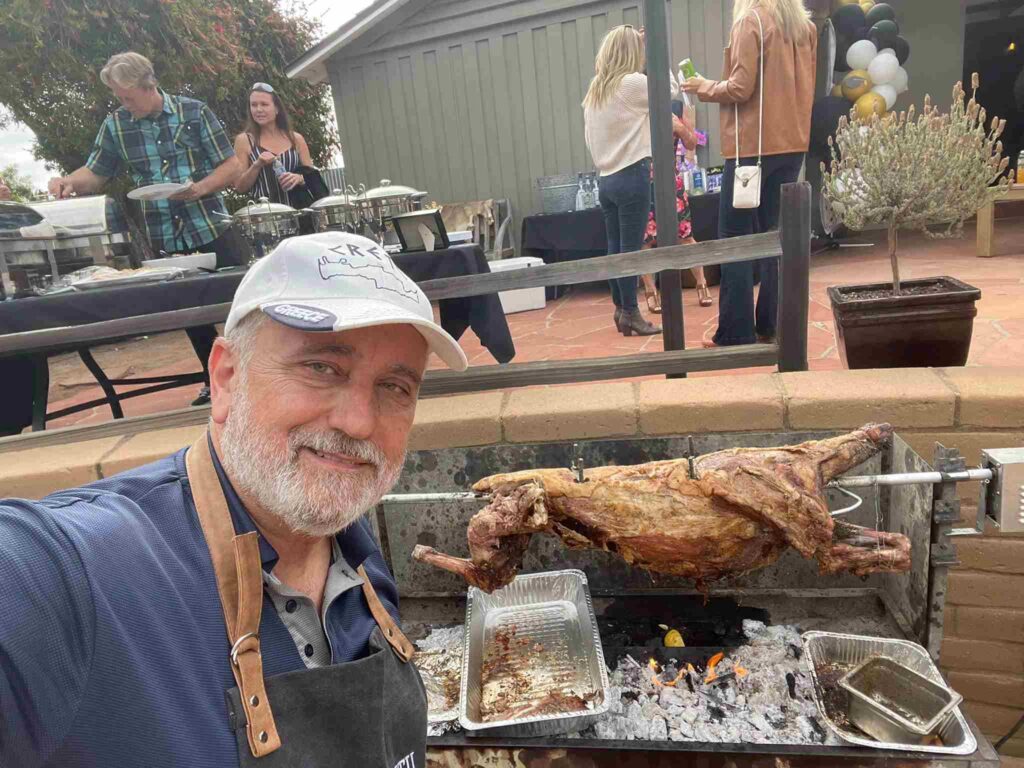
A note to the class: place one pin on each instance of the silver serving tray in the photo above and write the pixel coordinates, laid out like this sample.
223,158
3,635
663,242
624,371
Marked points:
555,639
822,648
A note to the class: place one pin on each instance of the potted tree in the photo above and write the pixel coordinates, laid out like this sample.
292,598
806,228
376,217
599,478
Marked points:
925,171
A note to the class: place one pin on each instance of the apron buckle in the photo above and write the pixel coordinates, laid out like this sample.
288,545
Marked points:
238,645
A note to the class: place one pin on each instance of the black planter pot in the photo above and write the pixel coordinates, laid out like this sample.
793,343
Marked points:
906,331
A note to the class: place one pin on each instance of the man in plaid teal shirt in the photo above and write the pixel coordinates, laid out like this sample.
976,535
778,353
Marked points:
157,138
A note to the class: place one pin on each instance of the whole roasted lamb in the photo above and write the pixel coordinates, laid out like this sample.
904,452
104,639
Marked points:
737,512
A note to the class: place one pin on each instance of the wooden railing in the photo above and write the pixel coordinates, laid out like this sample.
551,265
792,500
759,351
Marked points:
791,244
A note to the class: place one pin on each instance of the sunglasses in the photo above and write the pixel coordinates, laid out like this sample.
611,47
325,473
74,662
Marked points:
264,87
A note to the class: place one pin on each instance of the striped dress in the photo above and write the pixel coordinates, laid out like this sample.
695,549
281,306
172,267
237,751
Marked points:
266,182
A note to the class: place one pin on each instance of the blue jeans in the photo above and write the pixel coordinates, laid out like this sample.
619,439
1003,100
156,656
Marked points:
626,200
738,321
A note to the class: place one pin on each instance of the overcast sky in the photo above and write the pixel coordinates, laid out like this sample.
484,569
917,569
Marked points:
16,143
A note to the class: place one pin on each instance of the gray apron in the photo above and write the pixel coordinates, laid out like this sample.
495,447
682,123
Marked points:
368,713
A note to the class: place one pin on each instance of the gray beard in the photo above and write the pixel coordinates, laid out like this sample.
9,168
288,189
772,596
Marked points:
309,500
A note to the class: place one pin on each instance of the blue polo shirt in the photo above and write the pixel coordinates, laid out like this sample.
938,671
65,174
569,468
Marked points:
113,651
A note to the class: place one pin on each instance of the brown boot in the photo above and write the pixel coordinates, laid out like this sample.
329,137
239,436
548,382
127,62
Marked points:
633,324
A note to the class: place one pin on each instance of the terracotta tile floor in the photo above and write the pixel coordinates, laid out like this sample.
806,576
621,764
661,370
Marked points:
579,324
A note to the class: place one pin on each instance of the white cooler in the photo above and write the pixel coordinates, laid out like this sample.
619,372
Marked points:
524,299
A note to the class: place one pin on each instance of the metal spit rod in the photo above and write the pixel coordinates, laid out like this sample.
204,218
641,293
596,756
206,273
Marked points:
912,478
859,481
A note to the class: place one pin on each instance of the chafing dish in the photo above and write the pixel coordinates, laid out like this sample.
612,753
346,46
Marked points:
65,235
265,224
339,211
379,204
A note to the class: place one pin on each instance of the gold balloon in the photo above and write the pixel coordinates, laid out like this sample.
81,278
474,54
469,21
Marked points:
867,5
838,89
869,104
856,84
840,3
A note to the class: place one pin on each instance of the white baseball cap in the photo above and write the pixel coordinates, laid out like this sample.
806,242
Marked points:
334,281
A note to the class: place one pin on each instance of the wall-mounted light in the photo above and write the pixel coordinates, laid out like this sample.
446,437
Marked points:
1011,48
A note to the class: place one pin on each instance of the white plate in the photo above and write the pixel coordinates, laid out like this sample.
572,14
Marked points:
157,191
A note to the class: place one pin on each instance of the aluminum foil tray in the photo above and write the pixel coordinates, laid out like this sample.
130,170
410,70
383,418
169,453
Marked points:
831,655
440,669
538,641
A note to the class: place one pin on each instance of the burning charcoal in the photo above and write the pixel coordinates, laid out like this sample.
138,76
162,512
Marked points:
791,682
701,732
659,730
758,721
668,697
741,701
683,728
651,710
690,715
754,629
615,728
689,683
796,650
717,714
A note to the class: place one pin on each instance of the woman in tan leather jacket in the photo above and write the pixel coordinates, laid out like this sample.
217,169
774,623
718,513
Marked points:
790,44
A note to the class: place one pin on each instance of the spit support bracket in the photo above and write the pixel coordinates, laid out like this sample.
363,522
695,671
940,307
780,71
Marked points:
1000,502
578,466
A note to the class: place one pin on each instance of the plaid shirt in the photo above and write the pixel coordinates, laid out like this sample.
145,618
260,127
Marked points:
184,141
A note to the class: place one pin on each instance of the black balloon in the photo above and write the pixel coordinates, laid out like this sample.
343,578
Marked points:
842,48
825,117
849,20
880,12
884,34
902,48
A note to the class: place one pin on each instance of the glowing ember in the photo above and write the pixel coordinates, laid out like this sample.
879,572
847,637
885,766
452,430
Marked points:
712,663
740,671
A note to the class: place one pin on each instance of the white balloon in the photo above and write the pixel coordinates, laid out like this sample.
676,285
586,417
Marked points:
861,54
888,50
887,92
901,82
883,68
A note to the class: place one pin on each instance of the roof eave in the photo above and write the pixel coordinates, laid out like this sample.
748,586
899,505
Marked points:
312,65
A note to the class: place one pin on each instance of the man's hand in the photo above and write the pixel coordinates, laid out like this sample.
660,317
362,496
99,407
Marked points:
693,84
192,192
61,187
5,191
289,181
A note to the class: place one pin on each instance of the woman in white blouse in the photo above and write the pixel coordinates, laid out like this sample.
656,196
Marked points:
618,133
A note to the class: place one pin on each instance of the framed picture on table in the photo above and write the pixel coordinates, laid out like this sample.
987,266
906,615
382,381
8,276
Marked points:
421,231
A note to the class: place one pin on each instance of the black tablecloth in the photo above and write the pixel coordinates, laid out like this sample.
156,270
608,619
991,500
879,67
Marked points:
481,313
558,237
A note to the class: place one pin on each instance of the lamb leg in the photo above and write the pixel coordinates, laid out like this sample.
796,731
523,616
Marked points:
481,577
862,551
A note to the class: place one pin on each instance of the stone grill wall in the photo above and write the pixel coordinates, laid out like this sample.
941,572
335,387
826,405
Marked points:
967,408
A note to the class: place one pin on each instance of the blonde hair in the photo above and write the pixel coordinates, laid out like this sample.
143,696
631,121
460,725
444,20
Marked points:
790,15
621,54
128,70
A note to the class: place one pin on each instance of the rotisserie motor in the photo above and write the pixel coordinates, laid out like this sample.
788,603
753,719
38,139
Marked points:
741,509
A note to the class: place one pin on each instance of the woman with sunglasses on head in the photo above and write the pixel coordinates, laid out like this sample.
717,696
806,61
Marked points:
269,151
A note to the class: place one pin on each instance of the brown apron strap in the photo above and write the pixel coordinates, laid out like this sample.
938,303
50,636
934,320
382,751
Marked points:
395,637
238,568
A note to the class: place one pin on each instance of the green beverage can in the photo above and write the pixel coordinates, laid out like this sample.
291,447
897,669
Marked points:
687,68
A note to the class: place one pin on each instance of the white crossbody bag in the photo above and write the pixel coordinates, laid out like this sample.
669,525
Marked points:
746,190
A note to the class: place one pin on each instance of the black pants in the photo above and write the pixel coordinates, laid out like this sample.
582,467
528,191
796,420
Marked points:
738,321
232,250
626,200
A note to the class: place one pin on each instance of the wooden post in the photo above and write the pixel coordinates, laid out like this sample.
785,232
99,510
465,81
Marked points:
794,276
658,90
